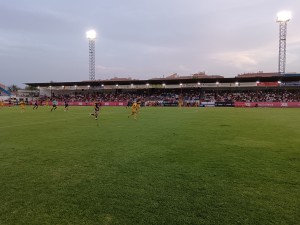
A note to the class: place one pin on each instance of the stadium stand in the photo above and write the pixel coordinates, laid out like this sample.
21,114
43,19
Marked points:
189,96
194,90
4,91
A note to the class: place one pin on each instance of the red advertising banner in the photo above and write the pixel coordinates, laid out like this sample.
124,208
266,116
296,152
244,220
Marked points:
268,104
268,84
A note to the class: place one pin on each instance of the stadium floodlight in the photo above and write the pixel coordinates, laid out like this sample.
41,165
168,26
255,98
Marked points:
62,86
198,83
217,83
38,87
89,86
163,84
236,83
257,82
91,36
180,84
282,18
279,82
147,84
102,85
117,85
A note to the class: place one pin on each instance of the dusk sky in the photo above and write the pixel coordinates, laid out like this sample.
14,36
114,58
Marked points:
45,40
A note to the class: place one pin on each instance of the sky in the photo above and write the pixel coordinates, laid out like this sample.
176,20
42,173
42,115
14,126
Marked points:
45,40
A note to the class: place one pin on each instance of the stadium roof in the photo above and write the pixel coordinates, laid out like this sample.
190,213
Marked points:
169,81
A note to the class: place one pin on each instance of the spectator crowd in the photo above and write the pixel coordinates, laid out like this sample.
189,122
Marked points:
189,97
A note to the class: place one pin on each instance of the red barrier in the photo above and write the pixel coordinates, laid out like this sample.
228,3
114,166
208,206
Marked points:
268,84
268,104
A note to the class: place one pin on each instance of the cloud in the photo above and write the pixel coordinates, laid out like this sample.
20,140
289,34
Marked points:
293,42
240,60
108,69
15,19
142,39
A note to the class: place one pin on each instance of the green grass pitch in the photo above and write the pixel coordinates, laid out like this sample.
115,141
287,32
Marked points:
171,166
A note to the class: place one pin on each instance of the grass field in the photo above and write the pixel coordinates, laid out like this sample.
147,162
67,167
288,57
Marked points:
171,166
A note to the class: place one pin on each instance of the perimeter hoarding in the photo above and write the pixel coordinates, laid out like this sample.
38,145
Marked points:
268,104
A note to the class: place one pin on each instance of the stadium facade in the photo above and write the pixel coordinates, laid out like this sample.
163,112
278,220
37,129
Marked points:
175,81
244,90
196,81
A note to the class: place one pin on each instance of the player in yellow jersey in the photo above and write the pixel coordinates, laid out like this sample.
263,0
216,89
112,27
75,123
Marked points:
180,102
134,110
47,102
22,105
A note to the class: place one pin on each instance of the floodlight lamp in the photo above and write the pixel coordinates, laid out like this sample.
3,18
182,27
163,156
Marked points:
91,34
117,85
284,16
279,82
102,85
88,86
217,83
236,83
198,83
164,84
75,86
147,84
257,82
38,87
180,84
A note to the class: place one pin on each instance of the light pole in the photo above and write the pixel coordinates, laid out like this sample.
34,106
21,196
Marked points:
91,36
282,18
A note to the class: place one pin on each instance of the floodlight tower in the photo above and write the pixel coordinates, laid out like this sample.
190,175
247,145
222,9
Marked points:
282,18
91,36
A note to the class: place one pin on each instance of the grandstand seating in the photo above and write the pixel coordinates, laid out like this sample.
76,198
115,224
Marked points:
3,90
188,96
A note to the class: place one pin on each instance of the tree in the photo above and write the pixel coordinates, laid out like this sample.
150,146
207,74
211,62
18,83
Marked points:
13,88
